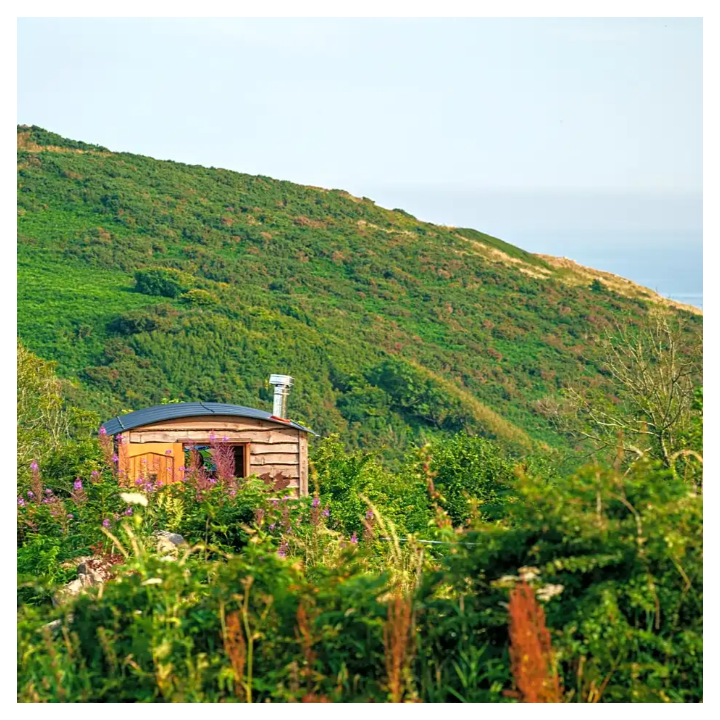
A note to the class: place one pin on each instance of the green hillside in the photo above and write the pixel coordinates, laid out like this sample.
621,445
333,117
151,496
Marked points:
148,279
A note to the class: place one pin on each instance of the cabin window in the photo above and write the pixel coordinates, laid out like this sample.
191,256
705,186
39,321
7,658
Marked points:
204,451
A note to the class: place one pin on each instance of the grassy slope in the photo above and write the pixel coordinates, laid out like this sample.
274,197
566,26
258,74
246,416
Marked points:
313,282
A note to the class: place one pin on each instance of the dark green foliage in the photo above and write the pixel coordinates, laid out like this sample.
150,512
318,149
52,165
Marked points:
615,560
417,396
161,281
471,470
344,478
627,552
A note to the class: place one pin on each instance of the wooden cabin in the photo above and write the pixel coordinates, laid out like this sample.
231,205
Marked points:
156,442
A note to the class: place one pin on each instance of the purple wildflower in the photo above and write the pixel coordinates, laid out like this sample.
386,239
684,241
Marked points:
168,452
225,438
281,552
21,502
129,511
30,494
271,527
78,484
326,511
34,465
71,516
103,431
233,493
369,515
48,491
116,516
94,474
115,458
316,502
353,539
106,523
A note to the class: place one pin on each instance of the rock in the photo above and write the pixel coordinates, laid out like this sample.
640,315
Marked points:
72,589
75,562
167,543
174,538
91,571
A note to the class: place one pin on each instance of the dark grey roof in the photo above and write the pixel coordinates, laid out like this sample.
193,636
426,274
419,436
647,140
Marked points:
158,413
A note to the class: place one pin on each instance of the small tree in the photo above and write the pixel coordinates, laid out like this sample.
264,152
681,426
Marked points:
166,282
42,422
656,372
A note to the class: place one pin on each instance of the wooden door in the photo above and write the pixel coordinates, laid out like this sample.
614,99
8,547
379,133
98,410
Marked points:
156,462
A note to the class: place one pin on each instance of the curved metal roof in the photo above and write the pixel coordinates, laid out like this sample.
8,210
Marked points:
158,413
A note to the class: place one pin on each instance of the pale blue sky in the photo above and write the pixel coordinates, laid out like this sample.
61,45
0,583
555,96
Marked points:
526,128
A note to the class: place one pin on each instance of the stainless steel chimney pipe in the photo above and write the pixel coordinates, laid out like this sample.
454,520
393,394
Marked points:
282,384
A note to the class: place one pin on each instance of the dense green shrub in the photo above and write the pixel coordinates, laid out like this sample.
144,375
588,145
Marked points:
197,296
620,558
346,480
471,471
167,282
614,559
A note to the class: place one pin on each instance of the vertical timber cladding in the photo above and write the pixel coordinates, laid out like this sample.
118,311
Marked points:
275,450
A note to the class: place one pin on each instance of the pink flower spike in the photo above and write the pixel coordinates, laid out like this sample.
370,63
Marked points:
103,431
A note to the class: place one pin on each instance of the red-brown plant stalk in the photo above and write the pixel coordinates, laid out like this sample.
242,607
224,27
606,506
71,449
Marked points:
531,650
236,649
396,638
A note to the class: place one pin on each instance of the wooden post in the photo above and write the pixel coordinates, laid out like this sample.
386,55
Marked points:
303,489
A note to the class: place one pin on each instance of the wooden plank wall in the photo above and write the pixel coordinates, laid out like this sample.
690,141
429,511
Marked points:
273,449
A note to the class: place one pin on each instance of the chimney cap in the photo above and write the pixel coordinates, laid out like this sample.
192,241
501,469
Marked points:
281,380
